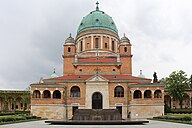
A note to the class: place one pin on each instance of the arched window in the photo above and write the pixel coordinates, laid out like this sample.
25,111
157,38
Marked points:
75,91
147,94
36,94
125,49
81,46
96,43
119,91
87,45
56,94
137,94
69,49
167,101
46,94
105,45
157,94
113,46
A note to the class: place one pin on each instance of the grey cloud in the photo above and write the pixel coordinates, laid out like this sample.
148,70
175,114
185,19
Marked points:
32,34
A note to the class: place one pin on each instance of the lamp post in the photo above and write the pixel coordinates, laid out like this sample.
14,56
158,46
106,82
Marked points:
66,100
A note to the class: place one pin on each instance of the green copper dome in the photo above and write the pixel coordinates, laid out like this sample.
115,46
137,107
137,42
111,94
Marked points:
97,20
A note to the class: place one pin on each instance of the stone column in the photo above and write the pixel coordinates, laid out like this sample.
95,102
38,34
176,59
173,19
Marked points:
14,106
61,95
51,94
152,94
190,100
116,46
132,95
142,94
101,41
78,46
83,43
92,42
110,42
41,94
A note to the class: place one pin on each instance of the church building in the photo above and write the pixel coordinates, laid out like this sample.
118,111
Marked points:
97,74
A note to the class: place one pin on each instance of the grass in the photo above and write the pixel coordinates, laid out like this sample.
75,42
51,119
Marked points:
176,118
8,119
179,115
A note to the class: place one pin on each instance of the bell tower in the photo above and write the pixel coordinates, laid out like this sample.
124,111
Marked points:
69,55
125,55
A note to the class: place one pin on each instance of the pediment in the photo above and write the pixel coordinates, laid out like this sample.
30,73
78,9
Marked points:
97,78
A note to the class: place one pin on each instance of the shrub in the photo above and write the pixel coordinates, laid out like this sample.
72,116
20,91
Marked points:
186,118
8,119
15,113
31,117
181,111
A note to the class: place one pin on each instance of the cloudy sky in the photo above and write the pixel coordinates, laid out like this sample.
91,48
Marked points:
32,33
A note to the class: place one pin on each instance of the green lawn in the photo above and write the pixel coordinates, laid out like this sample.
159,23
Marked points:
16,118
177,118
179,115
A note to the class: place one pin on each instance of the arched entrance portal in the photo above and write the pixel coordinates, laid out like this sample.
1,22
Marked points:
97,101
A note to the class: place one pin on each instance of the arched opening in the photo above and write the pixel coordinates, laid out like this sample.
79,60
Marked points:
46,94
10,103
1,103
125,49
105,45
186,101
56,94
113,46
147,94
96,43
167,101
157,94
119,91
81,46
137,94
19,104
75,91
69,49
36,94
97,101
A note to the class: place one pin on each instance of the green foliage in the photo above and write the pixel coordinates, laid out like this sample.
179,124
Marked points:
167,109
181,111
13,118
15,113
177,84
186,118
178,117
190,82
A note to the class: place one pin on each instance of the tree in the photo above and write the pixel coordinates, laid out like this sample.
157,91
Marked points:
190,82
177,84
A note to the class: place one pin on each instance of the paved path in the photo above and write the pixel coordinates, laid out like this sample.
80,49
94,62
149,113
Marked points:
41,124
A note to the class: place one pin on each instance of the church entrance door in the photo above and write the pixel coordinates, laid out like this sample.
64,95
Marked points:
97,101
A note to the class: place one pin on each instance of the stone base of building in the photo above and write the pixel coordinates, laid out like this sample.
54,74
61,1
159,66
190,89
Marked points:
145,111
49,111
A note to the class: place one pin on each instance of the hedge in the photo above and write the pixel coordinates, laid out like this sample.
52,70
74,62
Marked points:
185,118
14,113
16,118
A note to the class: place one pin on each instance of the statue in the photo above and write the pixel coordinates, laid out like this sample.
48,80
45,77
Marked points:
155,77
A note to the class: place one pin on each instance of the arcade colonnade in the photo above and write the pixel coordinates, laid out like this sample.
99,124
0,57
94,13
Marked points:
14,100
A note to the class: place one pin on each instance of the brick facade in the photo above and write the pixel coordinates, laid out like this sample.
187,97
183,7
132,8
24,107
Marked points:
98,62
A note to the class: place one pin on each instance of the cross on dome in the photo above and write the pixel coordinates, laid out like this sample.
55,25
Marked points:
97,7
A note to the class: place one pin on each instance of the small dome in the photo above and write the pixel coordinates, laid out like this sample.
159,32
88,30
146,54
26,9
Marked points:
53,75
141,75
70,40
97,20
124,40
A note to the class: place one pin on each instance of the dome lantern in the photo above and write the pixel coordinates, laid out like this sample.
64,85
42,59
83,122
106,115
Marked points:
97,20
124,40
70,40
